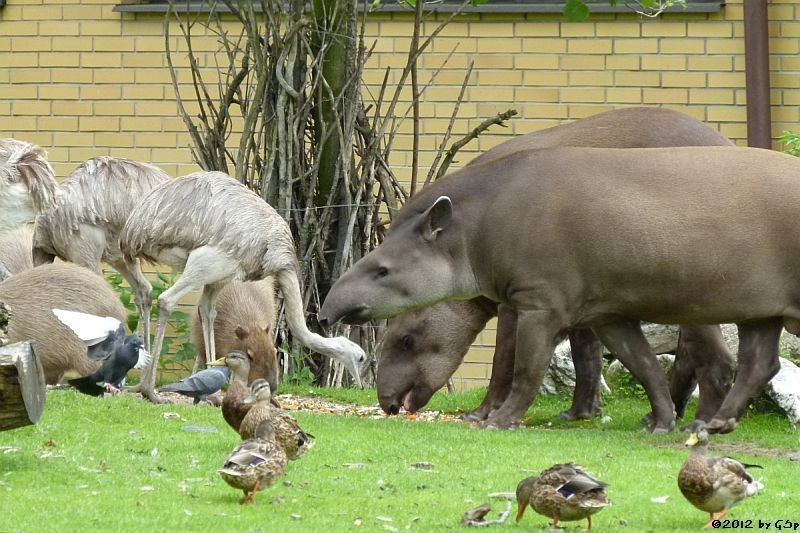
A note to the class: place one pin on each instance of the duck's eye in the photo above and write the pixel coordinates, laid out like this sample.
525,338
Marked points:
382,272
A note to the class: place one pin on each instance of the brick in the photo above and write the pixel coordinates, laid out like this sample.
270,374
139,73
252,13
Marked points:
143,60
494,61
115,76
533,28
107,124
499,77
638,79
81,12
785,81
454,29
54,59
589,46
115,44
591,78
616,62
571,94
61,27
720,29
665,96
57,123
58,92
72,44
533,94
711,63
726,113
17,28
19,92
540,78
105,27
101,92
662,62
491,94
112,108
71,75
780,12
583,62
74,139
30,107
711,96
31,44
683,79
143,92
537,61
729,46
101,59
683,46
461,46
618,29
635,46
631,95
538,46
577,111
30,12
71,108
491,29
116,140
508,46
21,59
577,29
725,79
657,28
15,124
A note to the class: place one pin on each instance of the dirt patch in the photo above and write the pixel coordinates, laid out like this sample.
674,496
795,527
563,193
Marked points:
735,449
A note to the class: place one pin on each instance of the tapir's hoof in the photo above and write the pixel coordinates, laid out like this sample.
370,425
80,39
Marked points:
474,416
647,420
499,423
661,429
717,425
577,414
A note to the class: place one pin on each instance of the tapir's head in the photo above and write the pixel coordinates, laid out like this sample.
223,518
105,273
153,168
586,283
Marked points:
421,350
421,262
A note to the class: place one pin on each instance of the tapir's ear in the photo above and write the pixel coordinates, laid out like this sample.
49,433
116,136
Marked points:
436,218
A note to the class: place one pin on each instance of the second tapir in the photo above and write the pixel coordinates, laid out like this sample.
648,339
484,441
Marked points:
601,238
422,349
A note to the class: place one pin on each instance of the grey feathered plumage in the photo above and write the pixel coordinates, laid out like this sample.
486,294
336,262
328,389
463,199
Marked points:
210,208
101,192
25,164
201,384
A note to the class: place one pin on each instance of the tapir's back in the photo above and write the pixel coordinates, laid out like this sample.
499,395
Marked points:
661,220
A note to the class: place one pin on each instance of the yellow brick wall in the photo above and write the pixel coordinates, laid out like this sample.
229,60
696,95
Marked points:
82,80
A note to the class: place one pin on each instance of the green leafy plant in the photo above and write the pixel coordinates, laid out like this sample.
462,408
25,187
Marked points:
791,143
299,372
178,320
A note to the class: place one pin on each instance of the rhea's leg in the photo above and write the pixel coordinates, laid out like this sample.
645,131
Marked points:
143,295
208,313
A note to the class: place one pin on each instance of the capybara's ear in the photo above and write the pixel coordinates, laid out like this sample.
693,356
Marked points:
242,332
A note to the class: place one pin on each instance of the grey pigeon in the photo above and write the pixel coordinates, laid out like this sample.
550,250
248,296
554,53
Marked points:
201,384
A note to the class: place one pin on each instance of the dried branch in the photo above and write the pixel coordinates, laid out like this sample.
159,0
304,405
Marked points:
500,119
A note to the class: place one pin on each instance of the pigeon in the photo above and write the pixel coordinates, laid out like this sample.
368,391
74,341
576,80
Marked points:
105,341
201,384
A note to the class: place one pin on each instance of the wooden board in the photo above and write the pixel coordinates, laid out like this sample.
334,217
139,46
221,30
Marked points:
22,387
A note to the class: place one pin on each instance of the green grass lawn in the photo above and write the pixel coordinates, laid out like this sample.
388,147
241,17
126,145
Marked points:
119,464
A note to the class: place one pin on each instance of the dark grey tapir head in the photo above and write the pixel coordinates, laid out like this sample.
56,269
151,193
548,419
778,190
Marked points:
421,262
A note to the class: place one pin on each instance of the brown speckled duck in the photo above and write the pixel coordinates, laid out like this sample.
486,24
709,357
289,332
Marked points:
713,483
233,407
287,431
255,464
563,492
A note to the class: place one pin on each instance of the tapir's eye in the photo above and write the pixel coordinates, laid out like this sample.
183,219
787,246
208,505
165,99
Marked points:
408,342
382,272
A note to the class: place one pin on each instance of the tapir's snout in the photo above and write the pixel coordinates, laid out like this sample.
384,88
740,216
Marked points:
330,315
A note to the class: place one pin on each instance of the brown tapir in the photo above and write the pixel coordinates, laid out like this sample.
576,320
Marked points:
245,322
31,296
422,349
691,235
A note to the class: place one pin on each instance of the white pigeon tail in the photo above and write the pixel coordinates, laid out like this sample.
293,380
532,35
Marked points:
91,329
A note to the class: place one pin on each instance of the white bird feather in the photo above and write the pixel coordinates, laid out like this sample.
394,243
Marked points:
91,329
144,358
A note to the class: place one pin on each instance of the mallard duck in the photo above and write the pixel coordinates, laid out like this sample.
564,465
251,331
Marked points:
287,431
563,492
255,464
233,407
713,483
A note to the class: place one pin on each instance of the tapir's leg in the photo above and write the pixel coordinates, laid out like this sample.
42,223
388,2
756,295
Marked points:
758,363
536,332
702,350
587,357
627,342
502,365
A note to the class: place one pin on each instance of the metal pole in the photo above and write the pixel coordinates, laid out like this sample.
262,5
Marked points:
756,59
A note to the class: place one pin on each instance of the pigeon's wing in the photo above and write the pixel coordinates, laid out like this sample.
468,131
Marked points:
90,329
205,382
144,359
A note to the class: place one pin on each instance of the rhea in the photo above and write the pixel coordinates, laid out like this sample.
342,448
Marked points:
215,230
27,183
